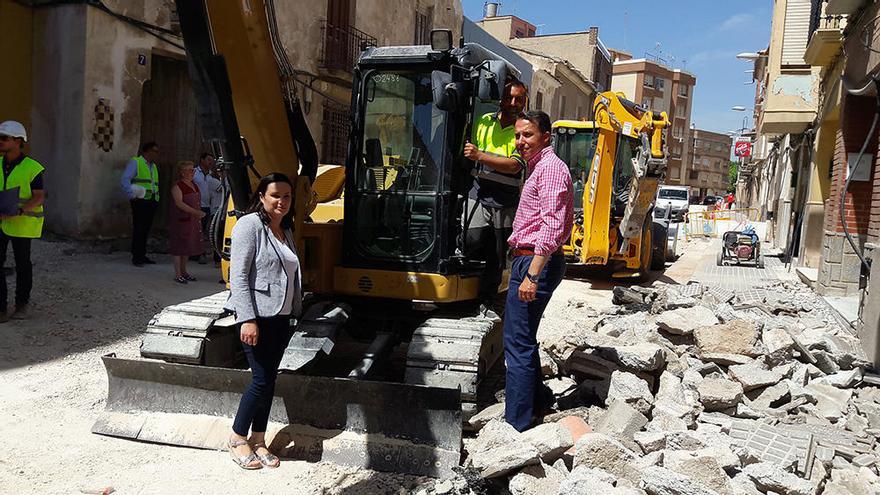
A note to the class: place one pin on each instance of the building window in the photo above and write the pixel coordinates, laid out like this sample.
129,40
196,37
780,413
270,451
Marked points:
649,81
693,175
676,132
674,173
682,90
334,133
531,32
519,34
539,101
680,110
659,83
424,21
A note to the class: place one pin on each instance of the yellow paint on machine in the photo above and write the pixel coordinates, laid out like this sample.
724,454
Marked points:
405,285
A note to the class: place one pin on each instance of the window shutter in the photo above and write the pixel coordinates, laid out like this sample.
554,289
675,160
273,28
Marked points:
795,32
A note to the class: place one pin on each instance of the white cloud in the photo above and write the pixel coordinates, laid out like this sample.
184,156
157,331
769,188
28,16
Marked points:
706,56
736,21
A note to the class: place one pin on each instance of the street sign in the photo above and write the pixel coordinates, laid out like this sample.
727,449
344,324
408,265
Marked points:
742,148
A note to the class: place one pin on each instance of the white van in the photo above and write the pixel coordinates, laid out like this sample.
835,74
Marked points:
675,198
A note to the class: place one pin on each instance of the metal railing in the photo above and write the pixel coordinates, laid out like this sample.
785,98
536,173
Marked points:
342,46
820,20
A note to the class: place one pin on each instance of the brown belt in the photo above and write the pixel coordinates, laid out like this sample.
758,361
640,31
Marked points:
528,251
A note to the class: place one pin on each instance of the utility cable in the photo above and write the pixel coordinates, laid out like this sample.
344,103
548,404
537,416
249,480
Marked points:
852,173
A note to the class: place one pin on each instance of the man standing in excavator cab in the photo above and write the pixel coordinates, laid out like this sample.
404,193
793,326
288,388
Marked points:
493,199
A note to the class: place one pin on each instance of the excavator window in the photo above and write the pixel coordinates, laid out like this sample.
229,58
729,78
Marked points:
400,166
627,150
576,148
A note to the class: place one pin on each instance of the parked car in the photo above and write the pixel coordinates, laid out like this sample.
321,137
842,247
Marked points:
710,200
675,198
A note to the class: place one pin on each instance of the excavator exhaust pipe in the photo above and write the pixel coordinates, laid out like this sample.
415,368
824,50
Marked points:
395,427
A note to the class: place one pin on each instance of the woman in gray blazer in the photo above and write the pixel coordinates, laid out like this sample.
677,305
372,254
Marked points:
265,293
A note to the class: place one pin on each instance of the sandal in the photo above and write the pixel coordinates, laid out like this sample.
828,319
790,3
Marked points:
189,277
269,460
180,280
244,461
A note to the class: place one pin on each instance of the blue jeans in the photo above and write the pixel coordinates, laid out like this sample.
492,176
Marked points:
521,321
264,359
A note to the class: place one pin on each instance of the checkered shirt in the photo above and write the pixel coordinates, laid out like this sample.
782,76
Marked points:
546,207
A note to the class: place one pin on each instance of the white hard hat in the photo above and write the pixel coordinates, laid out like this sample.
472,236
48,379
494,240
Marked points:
12,128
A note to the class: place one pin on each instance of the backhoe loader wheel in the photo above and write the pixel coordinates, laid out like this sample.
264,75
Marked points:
646,251
659,245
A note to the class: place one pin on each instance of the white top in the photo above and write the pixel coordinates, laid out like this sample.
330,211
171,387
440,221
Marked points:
214,193
290,262
201,180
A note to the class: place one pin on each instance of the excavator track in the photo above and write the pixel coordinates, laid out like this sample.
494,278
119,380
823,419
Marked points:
454,353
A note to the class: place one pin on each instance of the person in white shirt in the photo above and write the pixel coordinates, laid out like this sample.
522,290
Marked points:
201,178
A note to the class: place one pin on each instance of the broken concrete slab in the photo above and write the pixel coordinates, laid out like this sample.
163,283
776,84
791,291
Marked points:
479,420
717,394
537,479
621,421
843,379
783,447
596,450
778,344
630,389
585,480
684,321
754,375
644,356
768,476
725,359
701,467
830,401
499,449
735,337
550,439
650,441
770,397
663,481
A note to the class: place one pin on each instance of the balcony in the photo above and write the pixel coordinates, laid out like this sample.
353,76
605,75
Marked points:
844,6
825,35
342,46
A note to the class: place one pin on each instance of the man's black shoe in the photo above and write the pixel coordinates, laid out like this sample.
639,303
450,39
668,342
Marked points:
148,261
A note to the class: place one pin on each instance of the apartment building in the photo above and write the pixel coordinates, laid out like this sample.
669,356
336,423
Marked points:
709,172
661,89
569,68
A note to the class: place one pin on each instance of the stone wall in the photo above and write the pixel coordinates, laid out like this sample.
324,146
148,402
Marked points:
839,268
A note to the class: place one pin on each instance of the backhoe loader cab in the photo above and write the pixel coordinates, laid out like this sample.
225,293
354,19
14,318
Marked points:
616,163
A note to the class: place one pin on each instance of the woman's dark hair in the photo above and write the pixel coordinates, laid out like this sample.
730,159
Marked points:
540,119
256,205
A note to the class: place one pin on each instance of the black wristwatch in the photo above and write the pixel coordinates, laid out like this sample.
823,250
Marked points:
532,278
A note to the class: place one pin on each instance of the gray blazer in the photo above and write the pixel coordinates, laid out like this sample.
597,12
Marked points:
257,279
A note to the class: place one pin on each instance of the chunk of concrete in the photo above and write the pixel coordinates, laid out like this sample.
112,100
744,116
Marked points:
768,476
769,398
663,481
718,394
621,421
735,337
499,449
778,344
843,379
650,441
831,402
482,418
538,479
631,389
754,375
643,356
550,439
684,321
585,480
596,450
701,467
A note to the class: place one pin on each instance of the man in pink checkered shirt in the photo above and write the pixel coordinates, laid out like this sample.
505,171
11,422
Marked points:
542,224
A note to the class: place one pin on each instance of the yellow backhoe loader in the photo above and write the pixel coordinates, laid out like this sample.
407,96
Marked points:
617,162
387,358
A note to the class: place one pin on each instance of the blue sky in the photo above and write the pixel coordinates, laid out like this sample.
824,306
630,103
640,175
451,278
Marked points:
702,35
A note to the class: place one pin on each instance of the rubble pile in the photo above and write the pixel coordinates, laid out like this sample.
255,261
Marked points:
691,390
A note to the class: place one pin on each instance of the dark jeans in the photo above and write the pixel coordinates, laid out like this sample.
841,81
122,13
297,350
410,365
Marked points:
521,321
142,212
264,358
24,271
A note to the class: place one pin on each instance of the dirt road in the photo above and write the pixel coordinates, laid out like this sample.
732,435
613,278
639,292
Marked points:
53,384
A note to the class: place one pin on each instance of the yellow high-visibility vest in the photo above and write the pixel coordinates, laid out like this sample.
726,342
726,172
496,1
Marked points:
30,223
147,177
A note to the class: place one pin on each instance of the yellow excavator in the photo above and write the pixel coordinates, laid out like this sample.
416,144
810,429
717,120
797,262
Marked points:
617,162
386,360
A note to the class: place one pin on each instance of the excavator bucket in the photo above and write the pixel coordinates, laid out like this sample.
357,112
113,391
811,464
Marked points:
411,429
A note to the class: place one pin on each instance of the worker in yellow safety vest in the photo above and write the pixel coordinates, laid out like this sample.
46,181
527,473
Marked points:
140,182
492,201
21,219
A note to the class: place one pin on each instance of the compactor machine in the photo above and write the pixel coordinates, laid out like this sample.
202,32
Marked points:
386,360
617,162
